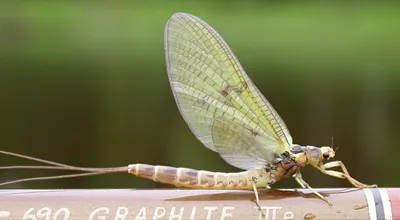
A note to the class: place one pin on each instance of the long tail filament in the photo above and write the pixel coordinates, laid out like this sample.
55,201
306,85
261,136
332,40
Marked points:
87,171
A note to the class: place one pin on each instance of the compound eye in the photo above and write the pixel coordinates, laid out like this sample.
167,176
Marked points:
326,155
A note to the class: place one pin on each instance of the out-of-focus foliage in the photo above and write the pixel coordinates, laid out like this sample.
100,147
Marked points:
84,83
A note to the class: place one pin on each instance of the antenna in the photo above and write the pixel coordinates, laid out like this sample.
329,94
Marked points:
332,145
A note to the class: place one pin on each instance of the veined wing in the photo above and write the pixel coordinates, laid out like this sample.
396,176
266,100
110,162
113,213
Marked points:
208,83
239,146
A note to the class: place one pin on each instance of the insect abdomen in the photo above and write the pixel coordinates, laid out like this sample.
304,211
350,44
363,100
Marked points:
189,178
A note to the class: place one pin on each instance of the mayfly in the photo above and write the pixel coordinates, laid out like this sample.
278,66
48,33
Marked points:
227,113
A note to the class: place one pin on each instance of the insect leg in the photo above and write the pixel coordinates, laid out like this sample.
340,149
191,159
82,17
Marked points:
254,181
303,184
344,175
300,180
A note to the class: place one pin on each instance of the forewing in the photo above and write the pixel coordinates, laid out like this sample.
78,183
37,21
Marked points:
239,146
208,83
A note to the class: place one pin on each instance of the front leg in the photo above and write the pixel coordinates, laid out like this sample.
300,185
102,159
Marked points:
344,175
303,184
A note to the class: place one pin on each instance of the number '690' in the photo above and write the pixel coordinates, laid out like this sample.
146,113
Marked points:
46,213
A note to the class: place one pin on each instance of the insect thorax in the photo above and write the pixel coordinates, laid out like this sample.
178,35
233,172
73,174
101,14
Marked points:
285,167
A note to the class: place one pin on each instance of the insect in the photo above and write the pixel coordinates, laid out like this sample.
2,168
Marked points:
228,114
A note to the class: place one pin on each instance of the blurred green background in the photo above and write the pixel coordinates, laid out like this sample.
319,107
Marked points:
84,83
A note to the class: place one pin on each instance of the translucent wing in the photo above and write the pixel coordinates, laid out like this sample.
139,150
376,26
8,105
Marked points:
239,146
214,95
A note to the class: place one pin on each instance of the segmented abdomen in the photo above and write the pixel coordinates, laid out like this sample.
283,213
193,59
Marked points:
189,178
